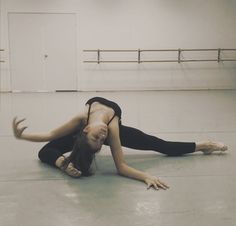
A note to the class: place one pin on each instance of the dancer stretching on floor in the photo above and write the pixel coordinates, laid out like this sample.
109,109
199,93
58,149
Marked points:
100,123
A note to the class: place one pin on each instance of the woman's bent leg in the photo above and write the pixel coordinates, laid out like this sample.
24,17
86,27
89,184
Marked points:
49,155
136,139
55,149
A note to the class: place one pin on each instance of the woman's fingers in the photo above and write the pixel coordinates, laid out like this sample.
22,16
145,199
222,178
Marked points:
152,185
21,120
16,129
22,129
161,184
14,126
17,122
156,184
14,123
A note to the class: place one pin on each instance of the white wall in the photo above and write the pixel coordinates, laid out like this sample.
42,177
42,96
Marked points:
144,24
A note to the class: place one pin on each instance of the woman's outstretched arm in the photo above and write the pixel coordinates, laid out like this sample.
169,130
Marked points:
122,168
68,127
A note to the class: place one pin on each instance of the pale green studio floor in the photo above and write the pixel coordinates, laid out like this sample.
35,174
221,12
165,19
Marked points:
202,188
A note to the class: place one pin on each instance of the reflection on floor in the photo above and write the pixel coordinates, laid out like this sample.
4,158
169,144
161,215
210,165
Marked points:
203,188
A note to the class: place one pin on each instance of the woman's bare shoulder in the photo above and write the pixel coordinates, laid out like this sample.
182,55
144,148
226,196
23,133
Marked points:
113,130
114,124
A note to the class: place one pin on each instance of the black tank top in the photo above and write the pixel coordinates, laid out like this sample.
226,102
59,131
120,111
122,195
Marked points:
108,103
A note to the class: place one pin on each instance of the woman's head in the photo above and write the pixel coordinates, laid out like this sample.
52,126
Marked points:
88,141
96,134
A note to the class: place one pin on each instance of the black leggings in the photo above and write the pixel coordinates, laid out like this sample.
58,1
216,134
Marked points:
130,138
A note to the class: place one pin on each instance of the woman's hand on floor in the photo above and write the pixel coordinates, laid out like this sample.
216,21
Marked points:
155,182
17,130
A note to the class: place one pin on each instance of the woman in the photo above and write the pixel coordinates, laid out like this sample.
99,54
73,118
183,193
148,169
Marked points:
98,124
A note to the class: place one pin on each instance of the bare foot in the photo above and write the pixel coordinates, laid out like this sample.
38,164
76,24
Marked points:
210,146
70,169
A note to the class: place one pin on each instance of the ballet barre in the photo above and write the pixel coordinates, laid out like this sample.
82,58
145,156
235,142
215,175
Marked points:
2,61
179,59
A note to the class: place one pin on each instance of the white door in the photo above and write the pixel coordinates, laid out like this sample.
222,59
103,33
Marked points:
42,51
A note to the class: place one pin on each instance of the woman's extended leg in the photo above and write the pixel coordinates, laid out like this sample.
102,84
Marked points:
136,139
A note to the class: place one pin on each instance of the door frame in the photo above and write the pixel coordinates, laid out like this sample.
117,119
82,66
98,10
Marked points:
76,46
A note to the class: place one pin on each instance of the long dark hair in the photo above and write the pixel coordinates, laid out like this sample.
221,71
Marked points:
82,155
